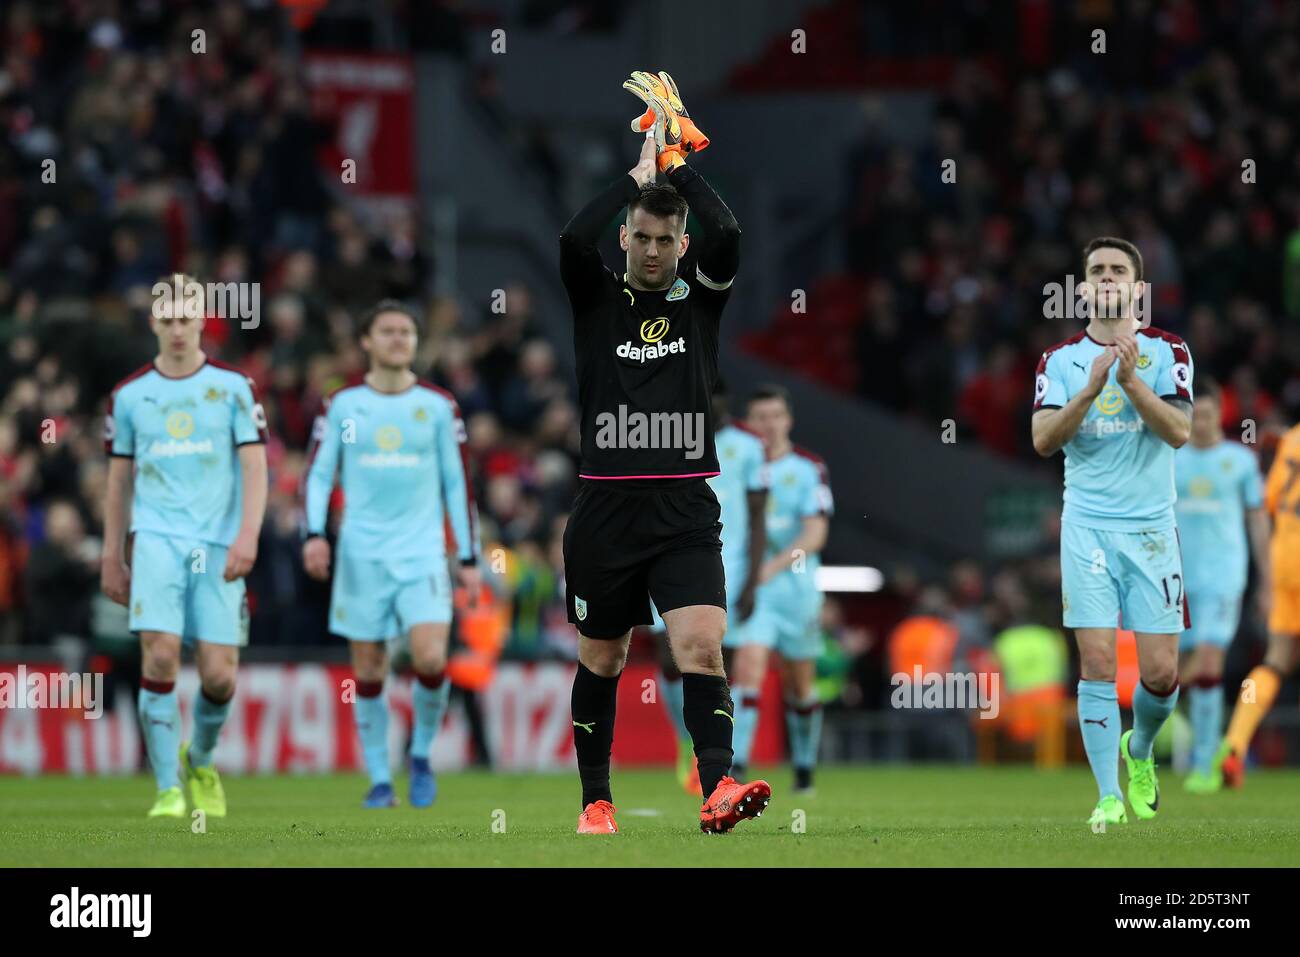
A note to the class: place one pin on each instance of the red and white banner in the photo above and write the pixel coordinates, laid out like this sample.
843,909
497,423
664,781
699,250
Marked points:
298,718
368,99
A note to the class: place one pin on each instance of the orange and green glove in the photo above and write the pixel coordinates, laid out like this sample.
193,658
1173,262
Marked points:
675,133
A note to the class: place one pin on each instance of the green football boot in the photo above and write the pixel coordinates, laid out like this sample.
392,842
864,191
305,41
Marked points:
1109,810
169,803
1204,782
206,793
1143,789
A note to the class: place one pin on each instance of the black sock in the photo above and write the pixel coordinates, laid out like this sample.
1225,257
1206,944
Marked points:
593,702
803,778
707,708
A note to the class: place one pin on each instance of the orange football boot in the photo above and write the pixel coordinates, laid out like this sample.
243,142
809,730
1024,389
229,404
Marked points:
731,802
1234,771
597,818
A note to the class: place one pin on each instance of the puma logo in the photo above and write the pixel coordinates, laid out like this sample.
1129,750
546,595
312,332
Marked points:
165,724
1078,365
1100,721
589,727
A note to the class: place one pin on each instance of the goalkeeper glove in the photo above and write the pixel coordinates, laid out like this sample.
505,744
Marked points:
671,142
665,88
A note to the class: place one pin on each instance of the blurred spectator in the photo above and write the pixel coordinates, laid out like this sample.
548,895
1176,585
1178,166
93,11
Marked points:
62,576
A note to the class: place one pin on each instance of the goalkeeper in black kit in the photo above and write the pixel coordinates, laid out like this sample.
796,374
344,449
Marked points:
645,522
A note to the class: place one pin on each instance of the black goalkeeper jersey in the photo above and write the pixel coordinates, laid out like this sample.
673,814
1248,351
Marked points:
647,361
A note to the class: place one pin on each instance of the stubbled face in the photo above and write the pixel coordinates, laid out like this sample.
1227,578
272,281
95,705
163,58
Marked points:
1205,419
178,334
653,245
391,341
1113,287
772,420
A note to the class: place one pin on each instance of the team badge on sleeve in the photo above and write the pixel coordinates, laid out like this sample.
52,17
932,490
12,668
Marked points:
824,499
1040,387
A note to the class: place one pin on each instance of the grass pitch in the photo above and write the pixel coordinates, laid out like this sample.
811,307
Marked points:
866,816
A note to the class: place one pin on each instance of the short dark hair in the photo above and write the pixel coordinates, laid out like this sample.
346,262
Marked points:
386,305
659,199
1207,388
771,391
1114,242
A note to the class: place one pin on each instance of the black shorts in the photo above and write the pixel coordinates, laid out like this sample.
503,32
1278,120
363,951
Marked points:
629,540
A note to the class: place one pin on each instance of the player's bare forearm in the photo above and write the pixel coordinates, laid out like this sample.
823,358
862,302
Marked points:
252,472
811,540
117,507
1168,418
1053,428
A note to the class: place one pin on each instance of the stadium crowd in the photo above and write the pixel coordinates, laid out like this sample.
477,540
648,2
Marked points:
165,162
1203,175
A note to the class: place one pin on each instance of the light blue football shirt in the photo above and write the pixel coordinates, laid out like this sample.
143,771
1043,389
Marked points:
1119,475
1216,486
744,470
182,434
799,487
401,468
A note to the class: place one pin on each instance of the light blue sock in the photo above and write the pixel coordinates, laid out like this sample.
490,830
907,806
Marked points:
803,721
1206,706
1149,713
371,715
673,704
1099,723
744,702
208,719
429,705
160,720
